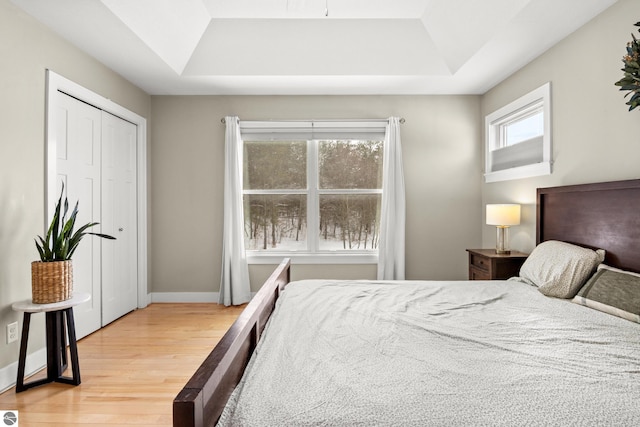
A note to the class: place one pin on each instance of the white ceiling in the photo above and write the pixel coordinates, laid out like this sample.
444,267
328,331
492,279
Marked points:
314,46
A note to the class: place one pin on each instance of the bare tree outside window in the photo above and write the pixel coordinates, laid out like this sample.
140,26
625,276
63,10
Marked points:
344,186
349,220
275,222
275,165
350,164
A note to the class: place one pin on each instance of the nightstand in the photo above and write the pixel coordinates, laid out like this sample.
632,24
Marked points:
486,264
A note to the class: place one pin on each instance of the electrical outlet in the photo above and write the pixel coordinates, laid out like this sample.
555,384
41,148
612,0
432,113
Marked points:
12,332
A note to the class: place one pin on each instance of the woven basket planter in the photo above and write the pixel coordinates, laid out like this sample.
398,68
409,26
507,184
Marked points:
51,281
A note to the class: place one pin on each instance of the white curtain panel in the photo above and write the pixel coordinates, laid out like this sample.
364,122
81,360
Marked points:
392,217
234,284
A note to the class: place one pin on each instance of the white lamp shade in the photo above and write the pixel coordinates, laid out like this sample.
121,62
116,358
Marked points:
503,214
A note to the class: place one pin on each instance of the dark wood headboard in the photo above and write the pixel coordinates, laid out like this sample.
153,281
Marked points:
604,215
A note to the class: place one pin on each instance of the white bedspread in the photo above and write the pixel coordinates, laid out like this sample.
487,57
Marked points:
438,354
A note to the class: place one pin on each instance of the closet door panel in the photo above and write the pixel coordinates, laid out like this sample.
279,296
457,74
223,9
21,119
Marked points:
78,138
119,201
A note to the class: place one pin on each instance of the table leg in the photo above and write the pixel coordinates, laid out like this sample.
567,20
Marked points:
63,341
73,350
55,344
23,352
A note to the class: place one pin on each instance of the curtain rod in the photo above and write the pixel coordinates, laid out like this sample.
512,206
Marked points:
401,120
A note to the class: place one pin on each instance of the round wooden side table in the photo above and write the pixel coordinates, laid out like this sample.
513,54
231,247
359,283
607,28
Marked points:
57,334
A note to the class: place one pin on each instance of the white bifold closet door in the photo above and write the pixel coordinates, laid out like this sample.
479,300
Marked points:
96,159
119,213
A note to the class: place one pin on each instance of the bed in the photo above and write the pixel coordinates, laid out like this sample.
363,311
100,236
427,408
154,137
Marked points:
518,356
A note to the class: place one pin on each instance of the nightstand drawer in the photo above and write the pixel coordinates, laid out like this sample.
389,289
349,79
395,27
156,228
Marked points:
476,274
479,261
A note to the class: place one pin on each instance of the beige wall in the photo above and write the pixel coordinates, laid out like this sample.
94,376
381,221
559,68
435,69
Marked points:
595,138
27,49
441,147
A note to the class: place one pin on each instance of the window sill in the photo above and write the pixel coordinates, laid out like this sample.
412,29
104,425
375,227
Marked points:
317,258
527,171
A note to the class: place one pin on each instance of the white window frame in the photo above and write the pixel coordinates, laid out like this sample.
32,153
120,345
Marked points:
539,98
312,132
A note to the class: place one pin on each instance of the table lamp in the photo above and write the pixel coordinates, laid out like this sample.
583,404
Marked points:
503,216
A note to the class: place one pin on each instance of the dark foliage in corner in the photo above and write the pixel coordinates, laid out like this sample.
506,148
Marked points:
631,80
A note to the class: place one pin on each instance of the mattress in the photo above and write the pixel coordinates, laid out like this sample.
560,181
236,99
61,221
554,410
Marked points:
420,353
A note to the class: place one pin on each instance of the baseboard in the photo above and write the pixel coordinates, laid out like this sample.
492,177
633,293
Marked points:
185,296
36,361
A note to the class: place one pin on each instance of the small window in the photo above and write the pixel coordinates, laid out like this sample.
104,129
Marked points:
518,138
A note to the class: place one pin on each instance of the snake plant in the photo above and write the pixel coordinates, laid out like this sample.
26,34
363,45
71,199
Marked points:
61,241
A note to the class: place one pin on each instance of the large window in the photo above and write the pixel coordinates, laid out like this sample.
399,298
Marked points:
518,138
314,192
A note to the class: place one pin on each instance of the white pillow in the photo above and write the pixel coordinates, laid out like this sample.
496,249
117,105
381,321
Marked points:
559,269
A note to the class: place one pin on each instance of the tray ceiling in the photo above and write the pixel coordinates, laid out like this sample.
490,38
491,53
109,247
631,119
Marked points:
314,46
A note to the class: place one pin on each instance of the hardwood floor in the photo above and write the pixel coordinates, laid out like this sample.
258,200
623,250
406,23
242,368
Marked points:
131,370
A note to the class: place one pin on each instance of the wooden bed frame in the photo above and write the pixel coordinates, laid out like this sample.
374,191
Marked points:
603,215
202,399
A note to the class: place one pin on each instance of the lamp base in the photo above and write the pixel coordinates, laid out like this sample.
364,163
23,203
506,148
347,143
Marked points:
502,240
